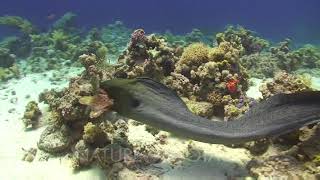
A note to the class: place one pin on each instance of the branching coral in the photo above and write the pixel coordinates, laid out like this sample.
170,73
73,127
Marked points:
18,22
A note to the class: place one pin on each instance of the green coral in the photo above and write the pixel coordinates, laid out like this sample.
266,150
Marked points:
59,38
6,59
260,65
203,109
18,22
9,73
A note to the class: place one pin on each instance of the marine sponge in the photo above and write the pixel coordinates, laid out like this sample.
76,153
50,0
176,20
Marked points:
22,24
94,135
195,54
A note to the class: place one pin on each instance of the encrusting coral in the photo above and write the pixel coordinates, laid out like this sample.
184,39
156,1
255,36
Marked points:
31,115
146,56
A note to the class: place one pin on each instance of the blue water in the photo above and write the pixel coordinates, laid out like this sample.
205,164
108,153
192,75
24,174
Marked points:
273,19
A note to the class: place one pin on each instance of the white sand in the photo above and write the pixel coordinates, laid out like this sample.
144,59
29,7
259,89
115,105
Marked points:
253,90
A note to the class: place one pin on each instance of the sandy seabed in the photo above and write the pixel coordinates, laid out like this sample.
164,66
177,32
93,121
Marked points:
217,161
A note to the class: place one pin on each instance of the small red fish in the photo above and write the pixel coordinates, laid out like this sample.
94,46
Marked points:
232,85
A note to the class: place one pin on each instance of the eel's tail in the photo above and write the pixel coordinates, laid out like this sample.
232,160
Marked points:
281,114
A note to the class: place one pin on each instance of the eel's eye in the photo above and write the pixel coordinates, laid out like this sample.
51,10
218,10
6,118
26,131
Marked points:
135,103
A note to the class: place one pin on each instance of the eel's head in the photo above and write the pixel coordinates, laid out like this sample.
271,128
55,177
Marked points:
122,91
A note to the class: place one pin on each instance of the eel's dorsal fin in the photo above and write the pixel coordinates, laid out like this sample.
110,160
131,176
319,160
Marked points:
162,89
284,110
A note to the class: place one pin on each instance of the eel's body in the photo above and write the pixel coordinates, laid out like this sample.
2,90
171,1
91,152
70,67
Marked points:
152,103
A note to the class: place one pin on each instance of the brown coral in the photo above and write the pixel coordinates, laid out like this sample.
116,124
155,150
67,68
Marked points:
284,83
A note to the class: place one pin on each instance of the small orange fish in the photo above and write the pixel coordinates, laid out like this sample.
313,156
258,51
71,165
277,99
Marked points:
99,103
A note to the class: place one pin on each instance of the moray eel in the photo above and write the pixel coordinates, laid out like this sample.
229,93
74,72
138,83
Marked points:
152,103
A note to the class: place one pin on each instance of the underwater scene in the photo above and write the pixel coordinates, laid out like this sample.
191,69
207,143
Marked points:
148,90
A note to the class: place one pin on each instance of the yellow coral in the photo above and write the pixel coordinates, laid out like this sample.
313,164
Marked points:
195,54
94,135
305,79
225,51
216,54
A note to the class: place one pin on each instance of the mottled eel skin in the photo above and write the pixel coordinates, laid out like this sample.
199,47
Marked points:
152,103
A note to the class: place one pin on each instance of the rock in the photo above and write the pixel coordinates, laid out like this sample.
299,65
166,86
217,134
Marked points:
83,155
29,154
55,139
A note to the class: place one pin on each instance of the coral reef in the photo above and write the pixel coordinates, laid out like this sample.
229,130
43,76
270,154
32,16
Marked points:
116,37
285,83
195,36
146,56
9,73
213,74
260,65
6,59
94,135
211,77
31,115
242,39
17,22
281,57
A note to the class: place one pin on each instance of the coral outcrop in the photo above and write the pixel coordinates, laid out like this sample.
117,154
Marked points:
146,56
242,39
31,115
285,83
